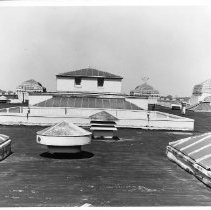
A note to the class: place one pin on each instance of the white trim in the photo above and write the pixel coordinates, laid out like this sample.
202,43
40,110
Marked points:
5,143
103,129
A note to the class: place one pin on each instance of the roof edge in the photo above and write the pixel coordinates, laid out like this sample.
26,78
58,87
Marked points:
83,76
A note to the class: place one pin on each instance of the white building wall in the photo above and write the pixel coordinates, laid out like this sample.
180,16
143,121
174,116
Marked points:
34,99
89,84
169,124
22,96
15,101
140,102
152,100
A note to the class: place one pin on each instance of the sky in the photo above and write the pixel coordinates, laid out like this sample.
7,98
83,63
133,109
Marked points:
169,44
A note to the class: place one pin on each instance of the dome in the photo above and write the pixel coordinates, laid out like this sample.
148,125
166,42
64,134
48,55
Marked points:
30,86
204,87
144,89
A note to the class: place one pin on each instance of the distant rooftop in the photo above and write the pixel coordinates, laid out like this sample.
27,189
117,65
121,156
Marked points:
89,73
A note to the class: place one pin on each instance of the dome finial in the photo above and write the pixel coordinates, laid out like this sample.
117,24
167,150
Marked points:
144,79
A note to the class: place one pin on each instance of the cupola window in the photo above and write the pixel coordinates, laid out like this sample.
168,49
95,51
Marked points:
100,82
78,81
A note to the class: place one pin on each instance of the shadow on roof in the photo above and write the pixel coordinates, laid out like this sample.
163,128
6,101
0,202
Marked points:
80,155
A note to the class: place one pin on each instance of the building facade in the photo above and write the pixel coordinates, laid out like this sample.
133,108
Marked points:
89,80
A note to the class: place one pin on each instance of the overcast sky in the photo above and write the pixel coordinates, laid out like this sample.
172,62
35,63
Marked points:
170,45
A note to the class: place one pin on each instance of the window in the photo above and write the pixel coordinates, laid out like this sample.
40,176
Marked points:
100,82
77,81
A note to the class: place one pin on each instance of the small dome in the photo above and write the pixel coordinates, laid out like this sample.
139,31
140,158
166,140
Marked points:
144,89
63,129
31,86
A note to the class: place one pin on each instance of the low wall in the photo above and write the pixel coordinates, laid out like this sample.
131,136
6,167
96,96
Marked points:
80,116
35,99
83,112
140,102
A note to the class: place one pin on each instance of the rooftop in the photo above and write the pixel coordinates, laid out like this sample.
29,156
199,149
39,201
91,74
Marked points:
89,73
88,102
32,177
